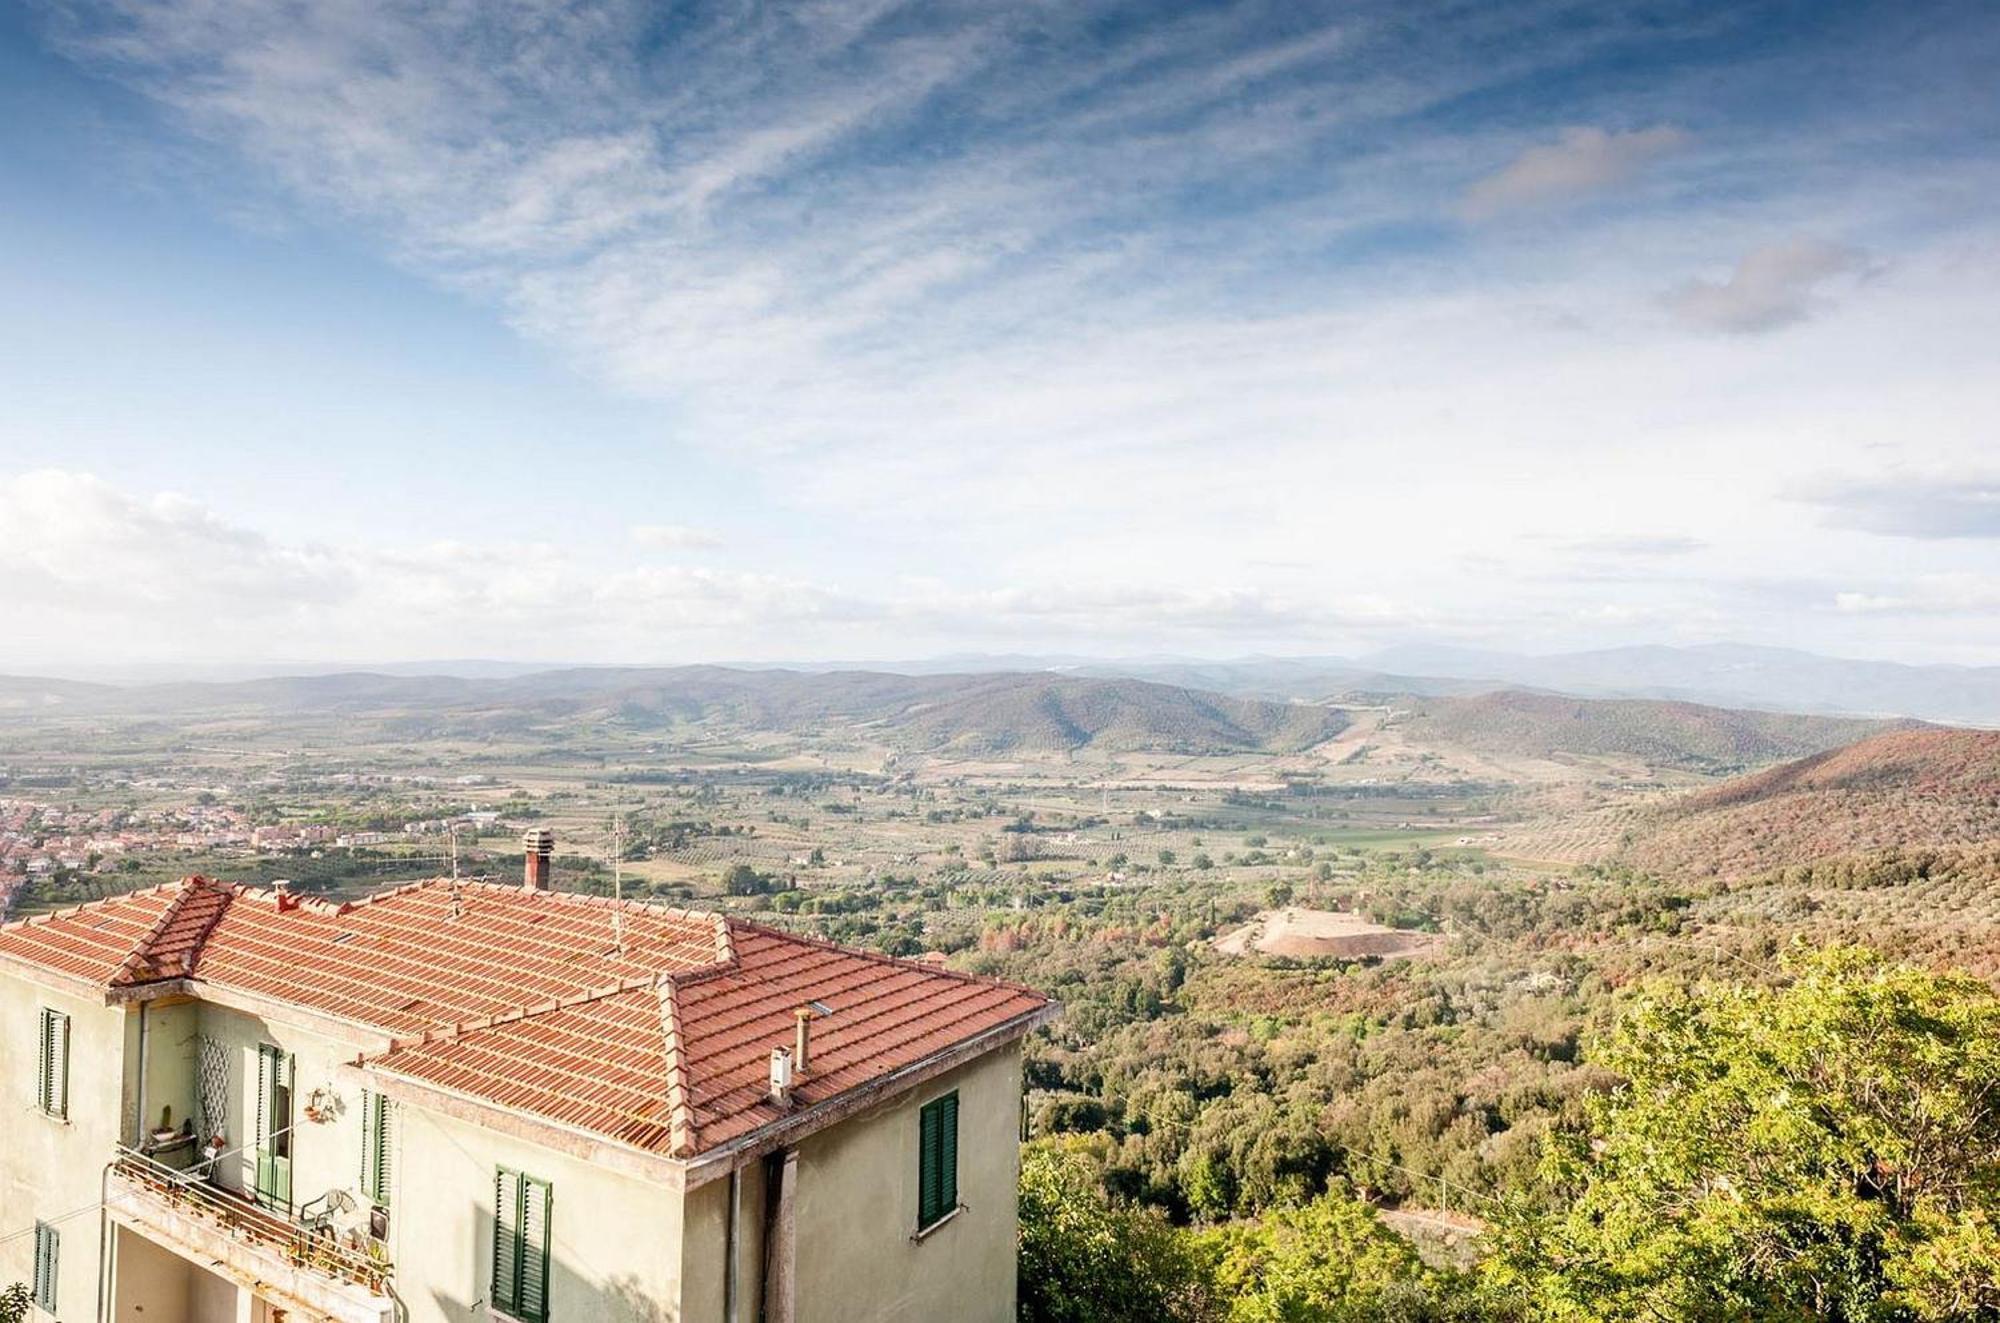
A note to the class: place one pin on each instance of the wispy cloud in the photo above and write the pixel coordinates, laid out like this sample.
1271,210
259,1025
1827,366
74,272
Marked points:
1581,162
1772,287
1910,506
89,559
675,537
1639,546
1169,303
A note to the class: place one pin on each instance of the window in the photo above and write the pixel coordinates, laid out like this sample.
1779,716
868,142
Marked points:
52,1065
937,1160
521,1246
378,1119
274,1127
45,1267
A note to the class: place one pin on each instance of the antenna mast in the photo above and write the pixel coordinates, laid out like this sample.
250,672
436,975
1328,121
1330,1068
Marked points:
618,880
457,899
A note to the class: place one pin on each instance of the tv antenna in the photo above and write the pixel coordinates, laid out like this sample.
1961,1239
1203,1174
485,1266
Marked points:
457,897
618,880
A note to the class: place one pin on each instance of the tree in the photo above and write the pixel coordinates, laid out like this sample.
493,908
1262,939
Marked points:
1825,1150
14,1302
743,880
1328,1261
1086,1258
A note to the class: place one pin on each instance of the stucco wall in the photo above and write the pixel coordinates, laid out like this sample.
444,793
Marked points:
155,1285
49,1168
615,1247
326,1155
624,1250
857,1209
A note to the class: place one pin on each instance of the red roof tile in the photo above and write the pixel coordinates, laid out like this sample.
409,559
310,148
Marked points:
655,1031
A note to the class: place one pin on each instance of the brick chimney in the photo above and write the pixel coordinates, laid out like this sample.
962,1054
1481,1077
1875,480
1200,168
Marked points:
540,843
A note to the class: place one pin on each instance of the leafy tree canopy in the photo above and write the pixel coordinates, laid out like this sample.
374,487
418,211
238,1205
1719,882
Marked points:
1827,1150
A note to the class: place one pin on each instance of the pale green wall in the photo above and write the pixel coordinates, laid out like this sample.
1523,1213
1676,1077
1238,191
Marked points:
325,1155
857,1209
615,1243
47,1167
624,1250
170,1033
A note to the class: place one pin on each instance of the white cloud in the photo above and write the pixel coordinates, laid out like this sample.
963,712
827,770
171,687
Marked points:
1583,161
1641,546
86,561
1933,507
1959,597
1158,334
675,537
1772,287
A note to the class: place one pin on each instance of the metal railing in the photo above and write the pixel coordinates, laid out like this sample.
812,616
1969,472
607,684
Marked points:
311,1244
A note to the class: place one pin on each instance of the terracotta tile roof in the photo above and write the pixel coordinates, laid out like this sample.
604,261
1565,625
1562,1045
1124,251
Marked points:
528,1000
91,941
689,1069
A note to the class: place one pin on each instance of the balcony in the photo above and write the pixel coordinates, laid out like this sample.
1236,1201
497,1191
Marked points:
300,1263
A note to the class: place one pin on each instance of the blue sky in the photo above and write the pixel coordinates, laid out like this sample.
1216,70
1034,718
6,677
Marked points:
858,328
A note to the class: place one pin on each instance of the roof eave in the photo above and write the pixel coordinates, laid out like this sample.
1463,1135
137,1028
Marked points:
718,1162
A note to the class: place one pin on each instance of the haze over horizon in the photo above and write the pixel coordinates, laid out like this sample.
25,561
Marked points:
866,329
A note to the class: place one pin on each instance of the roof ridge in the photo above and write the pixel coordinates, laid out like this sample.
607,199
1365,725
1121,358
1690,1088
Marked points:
883,957
680,1111
102,902
142,957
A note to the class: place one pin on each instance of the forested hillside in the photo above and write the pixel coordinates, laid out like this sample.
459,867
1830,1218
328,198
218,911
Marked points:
1904,790
1667,734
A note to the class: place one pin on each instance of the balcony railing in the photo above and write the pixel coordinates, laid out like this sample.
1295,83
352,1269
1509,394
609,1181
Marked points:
306,1243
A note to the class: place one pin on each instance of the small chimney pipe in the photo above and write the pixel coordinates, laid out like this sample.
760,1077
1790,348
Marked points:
801,1037
539,844
781,1076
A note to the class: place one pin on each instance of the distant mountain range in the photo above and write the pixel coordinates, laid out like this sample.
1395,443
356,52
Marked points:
1723,674
966,715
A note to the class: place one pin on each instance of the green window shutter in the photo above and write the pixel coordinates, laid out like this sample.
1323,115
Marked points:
507,1240
535,1201
44,1065
46,1248
937,1159
948,1151
52,1064
377,1135
262,1133
927,1166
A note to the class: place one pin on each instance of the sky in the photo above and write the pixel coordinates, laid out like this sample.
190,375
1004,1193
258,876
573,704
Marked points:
662,332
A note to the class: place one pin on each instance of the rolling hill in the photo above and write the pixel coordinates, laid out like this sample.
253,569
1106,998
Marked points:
1687,736
963,714
1905,789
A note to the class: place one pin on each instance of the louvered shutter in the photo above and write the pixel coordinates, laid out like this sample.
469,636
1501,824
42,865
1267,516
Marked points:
46,1250
947,1153
62,1064
52,1064
376,1138
262,1133
535,1200
507,1240
385,1148
44,1068
927,1173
